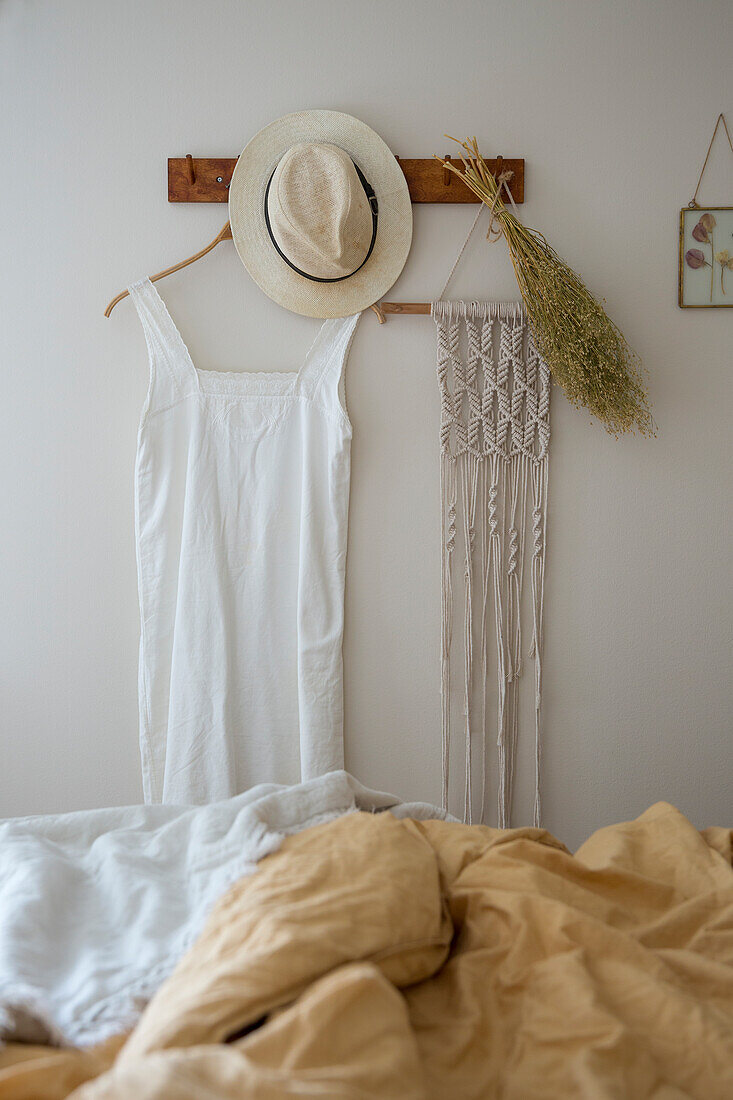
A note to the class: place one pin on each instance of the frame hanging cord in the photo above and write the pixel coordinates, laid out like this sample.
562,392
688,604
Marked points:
721,118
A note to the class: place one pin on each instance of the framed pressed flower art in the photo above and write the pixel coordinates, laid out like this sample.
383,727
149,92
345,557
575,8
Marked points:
706,257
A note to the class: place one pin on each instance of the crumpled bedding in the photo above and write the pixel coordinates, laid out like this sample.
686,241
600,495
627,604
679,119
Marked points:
373,957
97,907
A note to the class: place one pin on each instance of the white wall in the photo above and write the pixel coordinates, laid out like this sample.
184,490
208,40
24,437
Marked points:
612,103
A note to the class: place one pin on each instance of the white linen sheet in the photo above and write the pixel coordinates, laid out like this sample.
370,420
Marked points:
96,907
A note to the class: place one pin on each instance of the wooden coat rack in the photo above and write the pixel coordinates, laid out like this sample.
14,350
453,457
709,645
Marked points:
207,179
200,179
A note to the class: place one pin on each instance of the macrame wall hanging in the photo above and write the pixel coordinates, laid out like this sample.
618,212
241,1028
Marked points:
494,437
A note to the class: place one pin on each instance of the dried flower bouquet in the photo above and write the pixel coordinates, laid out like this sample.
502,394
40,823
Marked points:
586,353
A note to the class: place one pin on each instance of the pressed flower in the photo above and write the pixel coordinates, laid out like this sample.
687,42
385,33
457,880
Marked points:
703,232
694,258
723,258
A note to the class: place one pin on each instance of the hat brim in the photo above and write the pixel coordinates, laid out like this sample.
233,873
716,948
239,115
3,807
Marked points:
247,189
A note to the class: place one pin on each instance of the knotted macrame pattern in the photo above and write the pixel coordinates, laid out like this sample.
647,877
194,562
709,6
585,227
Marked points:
494,438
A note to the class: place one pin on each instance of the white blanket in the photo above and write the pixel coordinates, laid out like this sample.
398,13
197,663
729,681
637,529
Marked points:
97,907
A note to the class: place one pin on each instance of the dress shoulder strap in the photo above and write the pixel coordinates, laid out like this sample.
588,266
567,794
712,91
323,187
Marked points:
171,369
322,374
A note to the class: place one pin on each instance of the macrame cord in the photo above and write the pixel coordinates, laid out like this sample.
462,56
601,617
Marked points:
494,437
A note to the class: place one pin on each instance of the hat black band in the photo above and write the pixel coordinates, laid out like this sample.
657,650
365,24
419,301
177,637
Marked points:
373,206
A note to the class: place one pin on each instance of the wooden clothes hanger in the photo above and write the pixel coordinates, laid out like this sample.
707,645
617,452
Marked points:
225,234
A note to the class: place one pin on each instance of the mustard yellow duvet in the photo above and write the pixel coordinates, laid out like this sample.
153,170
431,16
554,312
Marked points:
378,958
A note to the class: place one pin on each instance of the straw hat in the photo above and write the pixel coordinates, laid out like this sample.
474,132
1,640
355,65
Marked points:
320,213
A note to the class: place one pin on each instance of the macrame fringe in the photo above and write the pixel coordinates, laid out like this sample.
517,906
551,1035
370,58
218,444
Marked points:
494,437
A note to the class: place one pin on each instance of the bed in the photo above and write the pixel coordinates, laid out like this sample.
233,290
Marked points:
384,956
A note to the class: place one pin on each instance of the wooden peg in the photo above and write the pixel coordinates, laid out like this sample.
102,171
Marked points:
376,308
497,170
447,174
191,172
405,307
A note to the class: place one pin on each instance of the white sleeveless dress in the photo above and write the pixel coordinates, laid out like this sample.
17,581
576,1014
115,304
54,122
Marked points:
241,512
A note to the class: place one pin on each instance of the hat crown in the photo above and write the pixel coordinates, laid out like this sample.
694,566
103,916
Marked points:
320,215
